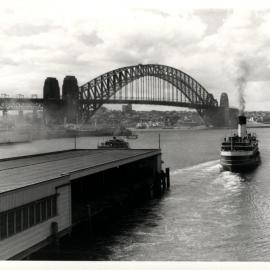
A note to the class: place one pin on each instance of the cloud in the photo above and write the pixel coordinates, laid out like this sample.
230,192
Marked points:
91,39
73,38
242,37
7,61
154,11
28,29
213,18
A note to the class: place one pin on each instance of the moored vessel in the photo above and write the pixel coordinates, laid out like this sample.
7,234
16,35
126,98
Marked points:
240,152
114,143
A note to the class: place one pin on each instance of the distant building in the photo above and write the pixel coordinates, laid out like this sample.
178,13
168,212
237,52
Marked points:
266,120
224,100
127,108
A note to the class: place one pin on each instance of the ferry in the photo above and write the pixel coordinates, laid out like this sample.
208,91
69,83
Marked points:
240,152
114,143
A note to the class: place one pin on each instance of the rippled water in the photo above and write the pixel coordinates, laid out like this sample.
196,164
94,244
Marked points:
208,215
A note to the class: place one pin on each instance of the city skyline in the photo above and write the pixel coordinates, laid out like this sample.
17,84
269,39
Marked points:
88,40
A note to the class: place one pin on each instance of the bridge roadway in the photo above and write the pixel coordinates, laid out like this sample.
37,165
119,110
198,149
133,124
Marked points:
10,104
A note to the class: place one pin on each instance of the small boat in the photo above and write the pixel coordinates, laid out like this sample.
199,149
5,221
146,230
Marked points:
114,143
240,152
133,136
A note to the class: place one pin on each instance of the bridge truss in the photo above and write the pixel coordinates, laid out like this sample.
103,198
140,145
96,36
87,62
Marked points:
140,84
144,84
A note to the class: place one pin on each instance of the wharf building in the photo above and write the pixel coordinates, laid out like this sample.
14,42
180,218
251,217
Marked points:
42,197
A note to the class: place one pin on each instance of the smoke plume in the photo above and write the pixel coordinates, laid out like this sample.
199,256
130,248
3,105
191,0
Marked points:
241,83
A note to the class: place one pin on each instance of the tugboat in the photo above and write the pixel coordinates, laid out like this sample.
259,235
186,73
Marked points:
240,152
114,144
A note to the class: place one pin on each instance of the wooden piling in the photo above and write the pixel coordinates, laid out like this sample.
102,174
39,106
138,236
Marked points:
89,220
167,173
151,191
163,182
158,185
54,233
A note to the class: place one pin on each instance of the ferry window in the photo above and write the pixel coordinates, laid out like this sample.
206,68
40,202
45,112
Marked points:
11,223
18,215
25,217
38,212
3,225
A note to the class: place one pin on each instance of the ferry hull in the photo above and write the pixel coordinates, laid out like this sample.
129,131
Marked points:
240,163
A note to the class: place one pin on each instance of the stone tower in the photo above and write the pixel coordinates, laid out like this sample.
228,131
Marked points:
70,95
51,95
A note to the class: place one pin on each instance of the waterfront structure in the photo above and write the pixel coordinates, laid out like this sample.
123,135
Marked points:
43,196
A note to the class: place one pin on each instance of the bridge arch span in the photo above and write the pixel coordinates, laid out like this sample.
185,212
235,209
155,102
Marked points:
98,91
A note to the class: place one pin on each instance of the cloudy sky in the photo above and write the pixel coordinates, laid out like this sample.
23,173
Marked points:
87,38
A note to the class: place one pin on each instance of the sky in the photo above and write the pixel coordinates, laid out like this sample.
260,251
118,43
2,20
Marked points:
44,38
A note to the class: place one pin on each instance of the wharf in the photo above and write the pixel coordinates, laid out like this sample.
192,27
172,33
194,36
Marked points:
43,196
76,163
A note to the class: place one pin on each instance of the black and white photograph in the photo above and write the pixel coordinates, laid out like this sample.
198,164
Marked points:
134,131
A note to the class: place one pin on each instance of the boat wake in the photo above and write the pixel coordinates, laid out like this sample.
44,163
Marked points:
210,173
206,166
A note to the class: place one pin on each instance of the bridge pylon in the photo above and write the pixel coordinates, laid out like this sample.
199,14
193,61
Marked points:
51,95
212,116
222,116
70,95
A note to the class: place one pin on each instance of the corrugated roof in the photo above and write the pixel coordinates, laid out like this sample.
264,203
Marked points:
28,170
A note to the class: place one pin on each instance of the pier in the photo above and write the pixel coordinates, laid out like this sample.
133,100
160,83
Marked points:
42,197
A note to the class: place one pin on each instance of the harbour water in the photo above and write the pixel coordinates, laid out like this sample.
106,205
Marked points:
208,215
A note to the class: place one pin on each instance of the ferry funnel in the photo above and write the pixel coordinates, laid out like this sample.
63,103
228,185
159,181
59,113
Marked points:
242,123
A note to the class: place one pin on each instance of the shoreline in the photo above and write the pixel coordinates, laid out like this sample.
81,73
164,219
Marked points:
193,128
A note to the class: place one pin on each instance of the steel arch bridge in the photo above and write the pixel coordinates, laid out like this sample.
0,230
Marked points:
144,84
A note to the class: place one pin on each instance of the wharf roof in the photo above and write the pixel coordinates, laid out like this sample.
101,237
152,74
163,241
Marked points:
20,172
